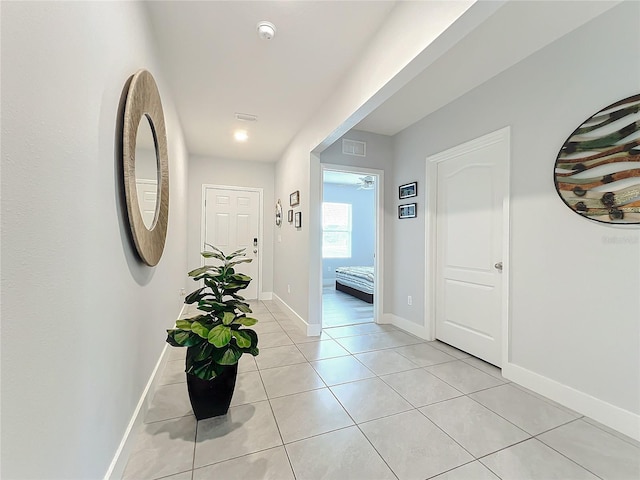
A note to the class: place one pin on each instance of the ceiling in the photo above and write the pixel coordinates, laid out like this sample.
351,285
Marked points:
216,65
343,178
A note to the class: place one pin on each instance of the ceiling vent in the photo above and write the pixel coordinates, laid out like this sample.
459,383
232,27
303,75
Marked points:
354,147
246,117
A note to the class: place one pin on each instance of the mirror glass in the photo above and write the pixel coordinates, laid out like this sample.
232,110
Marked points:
146,168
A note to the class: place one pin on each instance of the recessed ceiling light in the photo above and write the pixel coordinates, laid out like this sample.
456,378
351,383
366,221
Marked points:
241,135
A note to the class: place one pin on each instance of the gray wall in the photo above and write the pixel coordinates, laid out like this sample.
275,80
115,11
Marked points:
574,293
221,171
363,231
380,156
83,320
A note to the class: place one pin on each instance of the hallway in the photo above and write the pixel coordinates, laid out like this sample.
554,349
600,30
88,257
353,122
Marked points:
370,402
340,309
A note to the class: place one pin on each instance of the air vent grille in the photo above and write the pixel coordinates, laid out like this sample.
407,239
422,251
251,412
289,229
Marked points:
246,117
354,147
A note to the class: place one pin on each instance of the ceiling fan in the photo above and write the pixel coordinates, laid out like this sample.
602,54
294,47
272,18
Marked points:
366,183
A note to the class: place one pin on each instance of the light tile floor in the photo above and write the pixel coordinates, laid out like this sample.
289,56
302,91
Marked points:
370,402
340,309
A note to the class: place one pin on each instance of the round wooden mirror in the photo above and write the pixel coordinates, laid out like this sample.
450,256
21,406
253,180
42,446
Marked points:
143,111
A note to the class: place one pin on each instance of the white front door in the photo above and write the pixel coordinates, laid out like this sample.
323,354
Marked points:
469,242
232,220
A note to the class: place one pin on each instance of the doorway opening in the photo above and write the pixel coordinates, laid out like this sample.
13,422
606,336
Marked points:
349,223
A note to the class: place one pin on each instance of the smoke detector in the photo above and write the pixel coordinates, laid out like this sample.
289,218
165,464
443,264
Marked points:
266,30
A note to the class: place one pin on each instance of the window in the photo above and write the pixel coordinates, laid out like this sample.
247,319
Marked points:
336,230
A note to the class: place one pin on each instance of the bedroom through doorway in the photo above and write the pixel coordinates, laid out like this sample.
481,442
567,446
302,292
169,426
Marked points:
349,202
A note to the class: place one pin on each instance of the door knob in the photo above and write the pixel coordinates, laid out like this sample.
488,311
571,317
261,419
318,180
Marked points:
255,251
498,266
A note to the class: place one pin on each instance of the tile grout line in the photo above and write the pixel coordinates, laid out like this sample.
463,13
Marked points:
562,454
378,376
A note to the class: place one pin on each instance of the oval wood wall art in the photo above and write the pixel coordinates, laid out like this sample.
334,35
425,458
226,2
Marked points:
143,99
597,172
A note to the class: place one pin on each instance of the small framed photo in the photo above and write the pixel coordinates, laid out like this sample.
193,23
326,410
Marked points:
294,198
408,190
290,216
407,211
298,222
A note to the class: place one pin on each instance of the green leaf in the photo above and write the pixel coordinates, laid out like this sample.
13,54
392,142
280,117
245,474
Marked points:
214,248
243,307
207,370
217,306
200,330
239,277
238,262
206,254
220,336
193,296
242,339
180,338
213,285
253,335
230,357
200,271
254,351
202,352
228,318
183,324
246,321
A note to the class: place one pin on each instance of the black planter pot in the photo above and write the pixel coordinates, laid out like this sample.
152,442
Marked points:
211,398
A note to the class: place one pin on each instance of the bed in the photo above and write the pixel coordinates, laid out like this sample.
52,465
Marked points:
356,281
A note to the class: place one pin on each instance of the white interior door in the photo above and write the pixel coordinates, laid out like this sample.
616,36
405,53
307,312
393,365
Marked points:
469,243
147,199
232,220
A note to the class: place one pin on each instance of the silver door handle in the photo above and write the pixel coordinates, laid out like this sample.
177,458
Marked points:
498,266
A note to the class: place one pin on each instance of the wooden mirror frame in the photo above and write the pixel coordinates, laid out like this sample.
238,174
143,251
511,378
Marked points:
143,99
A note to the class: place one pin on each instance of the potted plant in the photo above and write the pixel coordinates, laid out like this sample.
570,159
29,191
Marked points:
215,338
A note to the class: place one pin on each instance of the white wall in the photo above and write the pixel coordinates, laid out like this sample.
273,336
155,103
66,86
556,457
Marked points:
83,321
221,171
574,291
379,156
389,52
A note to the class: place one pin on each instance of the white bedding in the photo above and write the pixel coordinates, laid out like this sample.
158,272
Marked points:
360,278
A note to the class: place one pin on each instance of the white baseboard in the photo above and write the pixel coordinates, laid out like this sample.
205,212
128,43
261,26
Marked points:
265,296
413,328
119,462
121,457
311,329
615,417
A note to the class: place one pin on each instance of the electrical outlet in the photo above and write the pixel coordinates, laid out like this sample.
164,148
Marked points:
288,288
409,300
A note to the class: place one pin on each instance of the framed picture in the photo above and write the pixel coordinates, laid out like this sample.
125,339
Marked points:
407,211
294,198
408,190
298,222
290,216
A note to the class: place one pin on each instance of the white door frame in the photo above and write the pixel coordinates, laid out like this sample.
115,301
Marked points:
378,263
431,234
206,186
